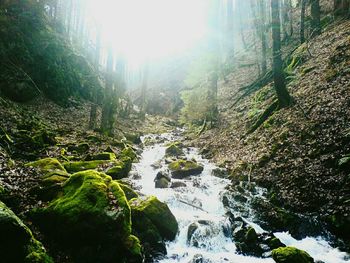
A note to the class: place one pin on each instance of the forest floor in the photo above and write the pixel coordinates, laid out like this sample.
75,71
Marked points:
300,153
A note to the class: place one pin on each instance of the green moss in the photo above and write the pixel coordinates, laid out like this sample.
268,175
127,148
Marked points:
128,191
251,235
159,215
103,156
133,246
129,153
17,242
291,255
121,169
48,166
79,166
275,243
183,168
79,148
173,150
92,214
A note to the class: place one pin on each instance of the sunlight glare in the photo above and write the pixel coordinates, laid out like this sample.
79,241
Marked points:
141,29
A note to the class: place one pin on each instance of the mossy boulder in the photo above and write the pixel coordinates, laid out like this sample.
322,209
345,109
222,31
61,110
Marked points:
133,137
153,223
79,148
128,152
17,243
121,168
91,220
78,166
128,191
53,176
173,150
183,168
103,156
291,255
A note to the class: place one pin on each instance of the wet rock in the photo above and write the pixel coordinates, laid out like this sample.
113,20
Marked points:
153,223
199,259
219,172
120,169
174,150
133,137
162,183
17,243
177,184
182,168
91,220
291,255
134,175
191,229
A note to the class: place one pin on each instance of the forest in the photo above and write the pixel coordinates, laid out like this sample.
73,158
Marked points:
188,131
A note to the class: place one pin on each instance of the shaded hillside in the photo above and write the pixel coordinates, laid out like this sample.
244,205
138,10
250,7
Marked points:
299,153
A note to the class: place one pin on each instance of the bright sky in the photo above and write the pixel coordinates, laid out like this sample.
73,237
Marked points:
153,29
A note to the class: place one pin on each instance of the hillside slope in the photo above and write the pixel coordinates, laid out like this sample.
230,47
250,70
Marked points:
300,153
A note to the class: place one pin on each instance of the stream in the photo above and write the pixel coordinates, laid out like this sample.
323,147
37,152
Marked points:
201,200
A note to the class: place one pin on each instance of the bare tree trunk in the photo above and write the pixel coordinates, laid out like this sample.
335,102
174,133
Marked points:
302,21
315,18
241,30
230,30
107,119
144,89
93,111
283,96
262,31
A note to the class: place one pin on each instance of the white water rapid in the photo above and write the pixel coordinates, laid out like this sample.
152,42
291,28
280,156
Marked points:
201,200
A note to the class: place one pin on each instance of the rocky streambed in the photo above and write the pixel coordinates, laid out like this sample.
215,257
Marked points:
219,222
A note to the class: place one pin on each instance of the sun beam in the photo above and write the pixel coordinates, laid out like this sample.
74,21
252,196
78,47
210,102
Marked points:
151,29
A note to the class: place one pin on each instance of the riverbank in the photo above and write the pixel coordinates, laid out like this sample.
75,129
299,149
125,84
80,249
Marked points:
300,153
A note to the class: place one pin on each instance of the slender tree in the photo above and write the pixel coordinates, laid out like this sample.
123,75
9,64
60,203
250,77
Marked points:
284,98
108,109
315,18
302,21
230,29
262,31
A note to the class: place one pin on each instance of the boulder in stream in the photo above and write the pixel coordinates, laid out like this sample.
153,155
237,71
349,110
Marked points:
162,180
291,255
183,168
153,223
174,150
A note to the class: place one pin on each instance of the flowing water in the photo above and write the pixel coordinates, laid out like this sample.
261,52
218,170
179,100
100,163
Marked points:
201,200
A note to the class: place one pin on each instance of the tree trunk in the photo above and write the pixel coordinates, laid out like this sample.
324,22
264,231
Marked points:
283,96
230,30
107,119
262,31
302,21
93,111
315,18
144,89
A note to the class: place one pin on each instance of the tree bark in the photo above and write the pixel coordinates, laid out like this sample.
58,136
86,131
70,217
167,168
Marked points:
283,95
262,23
230,30
315,18
107,119
302,21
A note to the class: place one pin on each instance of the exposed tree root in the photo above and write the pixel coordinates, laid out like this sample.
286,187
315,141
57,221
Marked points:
264,116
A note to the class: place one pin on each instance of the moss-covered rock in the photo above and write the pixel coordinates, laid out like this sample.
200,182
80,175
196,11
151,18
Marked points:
183,168
17,243
291,255
103,156
79,148
153,223
91,220
133,137
74,167
121,169
173,150
128,152
53,176
128,191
